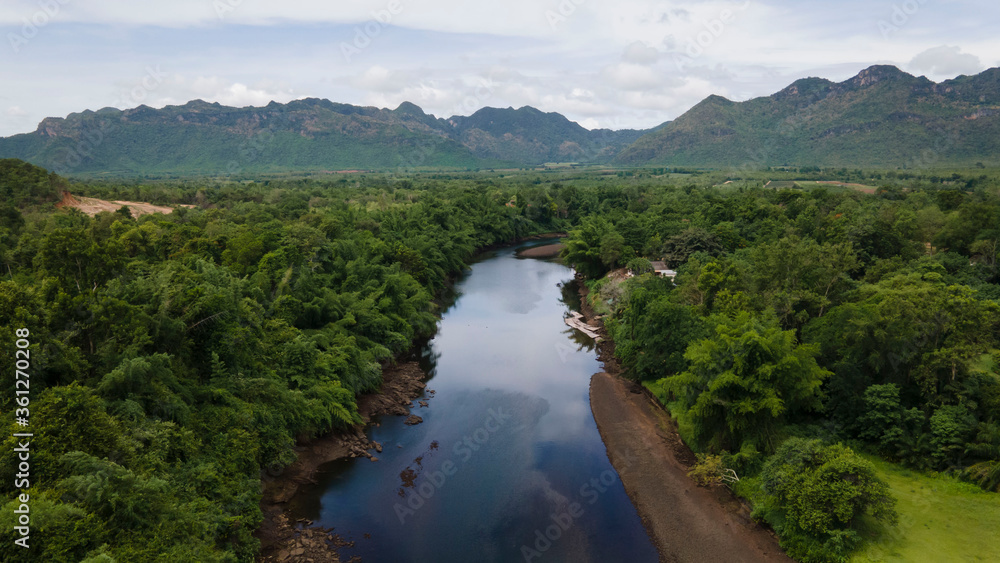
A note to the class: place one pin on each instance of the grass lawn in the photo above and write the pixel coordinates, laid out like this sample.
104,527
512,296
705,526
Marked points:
940,519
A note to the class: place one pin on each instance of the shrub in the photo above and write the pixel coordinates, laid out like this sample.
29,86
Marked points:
818,498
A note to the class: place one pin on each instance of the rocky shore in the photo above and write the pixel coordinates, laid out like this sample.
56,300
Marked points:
299,541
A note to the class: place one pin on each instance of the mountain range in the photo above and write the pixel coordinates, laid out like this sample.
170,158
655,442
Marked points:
304,135
882,117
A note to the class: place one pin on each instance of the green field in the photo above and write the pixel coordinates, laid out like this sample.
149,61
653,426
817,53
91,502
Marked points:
940,519
833,184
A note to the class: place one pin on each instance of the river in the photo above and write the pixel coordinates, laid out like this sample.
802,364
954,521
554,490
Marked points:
508,464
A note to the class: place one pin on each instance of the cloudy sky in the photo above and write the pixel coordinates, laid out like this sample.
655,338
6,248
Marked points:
603,63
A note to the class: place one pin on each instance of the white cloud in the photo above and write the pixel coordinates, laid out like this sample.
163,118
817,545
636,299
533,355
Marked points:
573,106
518,93
16,111
178,90
442,98
640,53
674,99
611,62
946,61
631,76
241,95
380,79
513,17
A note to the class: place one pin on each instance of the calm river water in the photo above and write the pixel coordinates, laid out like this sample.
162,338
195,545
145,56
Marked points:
508,464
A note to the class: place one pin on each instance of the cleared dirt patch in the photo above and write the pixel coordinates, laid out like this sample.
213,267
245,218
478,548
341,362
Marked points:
92,206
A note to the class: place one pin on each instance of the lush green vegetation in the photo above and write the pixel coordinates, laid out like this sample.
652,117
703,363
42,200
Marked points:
820,498
940,519
175,357
802,320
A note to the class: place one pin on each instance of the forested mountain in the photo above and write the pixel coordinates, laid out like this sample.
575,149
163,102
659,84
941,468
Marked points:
881,117
200,138
529,136
203,138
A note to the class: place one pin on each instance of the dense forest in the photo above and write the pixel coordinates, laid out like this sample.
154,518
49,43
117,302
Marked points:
176,357
806,327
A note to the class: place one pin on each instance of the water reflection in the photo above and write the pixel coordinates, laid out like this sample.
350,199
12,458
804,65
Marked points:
507,447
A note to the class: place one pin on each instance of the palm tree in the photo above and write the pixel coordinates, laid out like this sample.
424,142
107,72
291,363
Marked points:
987,446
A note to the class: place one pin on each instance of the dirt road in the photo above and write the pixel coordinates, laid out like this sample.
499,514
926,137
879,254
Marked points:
687,522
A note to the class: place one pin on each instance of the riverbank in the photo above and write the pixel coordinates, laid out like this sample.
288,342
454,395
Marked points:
529,238
685,521
284,540
544,251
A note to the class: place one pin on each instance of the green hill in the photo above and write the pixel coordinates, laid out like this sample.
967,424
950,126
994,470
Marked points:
204,138
303,135
527,135
882,117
